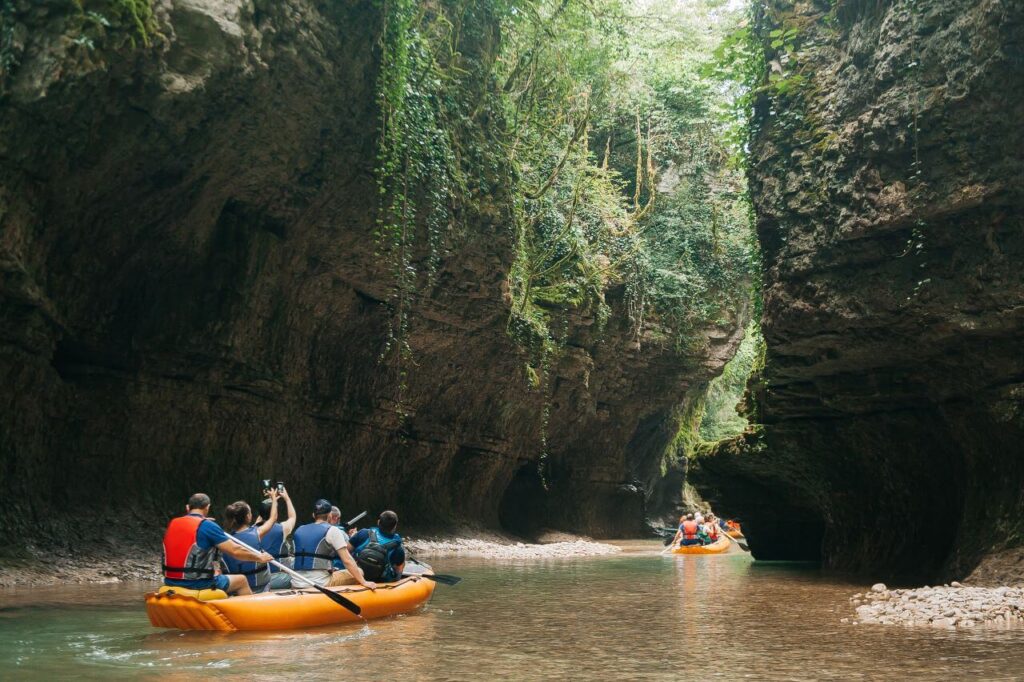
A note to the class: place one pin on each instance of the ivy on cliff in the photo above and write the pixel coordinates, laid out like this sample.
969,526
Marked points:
603,134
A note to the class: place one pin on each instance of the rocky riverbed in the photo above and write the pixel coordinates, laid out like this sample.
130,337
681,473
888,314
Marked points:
952,605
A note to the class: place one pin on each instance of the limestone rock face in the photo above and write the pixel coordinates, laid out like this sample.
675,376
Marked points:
190,298
889,193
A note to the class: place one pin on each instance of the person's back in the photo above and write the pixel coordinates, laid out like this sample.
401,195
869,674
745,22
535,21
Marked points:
188,558
690,529
239,522
192,546
378,551
316,546
275,541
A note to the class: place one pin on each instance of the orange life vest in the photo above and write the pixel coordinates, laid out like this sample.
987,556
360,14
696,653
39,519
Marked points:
690,530
183,560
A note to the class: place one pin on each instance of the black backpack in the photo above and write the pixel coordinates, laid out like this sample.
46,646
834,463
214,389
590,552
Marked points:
375,557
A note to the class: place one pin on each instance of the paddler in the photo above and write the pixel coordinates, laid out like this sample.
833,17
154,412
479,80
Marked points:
238,522
316,546
687,533
275,540
192,546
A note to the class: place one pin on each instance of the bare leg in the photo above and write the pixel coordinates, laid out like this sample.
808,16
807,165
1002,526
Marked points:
237,584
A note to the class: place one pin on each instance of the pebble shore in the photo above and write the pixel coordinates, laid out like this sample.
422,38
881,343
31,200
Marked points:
949,606
471,547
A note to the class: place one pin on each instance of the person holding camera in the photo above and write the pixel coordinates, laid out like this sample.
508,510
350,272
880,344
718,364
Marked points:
239,523
276,538
192,546
316,546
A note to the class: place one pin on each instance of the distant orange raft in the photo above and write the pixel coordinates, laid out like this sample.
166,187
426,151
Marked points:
716,547
174,607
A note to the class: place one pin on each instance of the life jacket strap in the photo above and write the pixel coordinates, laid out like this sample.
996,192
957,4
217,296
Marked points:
315,555
186,569
255,571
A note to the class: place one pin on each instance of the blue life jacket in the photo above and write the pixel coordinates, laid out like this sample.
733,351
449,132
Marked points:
258,575
337,563
312,551
273,543
374,555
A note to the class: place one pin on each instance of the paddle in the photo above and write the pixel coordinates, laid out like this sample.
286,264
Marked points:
334,596
351,522
741,545
439,578
436,577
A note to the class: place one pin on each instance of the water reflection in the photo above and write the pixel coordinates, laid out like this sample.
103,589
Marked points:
639,615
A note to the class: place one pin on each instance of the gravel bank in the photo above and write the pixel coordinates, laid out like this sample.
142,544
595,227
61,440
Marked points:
505,550
142,562
949,606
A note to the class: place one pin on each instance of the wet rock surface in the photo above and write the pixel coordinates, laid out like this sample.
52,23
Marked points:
191,299
949,606
890,209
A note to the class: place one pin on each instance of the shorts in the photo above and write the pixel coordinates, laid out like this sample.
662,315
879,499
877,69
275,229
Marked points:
342,577
221,582
280,581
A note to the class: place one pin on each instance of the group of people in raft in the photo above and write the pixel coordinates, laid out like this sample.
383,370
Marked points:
198,553
694,529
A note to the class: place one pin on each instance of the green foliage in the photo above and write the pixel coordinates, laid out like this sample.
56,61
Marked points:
120,21
722,416
604,97
417,172
604,146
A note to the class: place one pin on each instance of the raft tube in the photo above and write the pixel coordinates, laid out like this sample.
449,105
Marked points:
175,607
716,547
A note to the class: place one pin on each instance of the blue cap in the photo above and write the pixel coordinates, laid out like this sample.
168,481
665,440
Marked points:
322,507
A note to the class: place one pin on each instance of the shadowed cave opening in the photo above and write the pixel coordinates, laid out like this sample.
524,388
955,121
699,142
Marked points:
521,510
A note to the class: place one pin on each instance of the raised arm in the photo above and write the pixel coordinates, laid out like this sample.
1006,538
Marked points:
272,518
288,524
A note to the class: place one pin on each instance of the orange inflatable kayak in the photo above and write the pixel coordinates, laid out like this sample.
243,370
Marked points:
176,607
716,547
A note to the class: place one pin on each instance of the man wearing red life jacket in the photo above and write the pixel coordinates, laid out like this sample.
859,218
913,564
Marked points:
689,529
687,533
192,547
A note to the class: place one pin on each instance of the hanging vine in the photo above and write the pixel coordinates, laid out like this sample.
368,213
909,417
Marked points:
417,172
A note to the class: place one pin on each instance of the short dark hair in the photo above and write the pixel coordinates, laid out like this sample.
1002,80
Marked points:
199,501
387,521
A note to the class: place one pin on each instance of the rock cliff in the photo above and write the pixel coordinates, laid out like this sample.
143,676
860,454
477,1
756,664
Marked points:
190,296
889,192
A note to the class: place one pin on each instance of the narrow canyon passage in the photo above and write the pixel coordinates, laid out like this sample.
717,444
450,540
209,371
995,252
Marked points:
536,274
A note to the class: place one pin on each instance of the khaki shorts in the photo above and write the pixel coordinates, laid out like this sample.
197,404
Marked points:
342,577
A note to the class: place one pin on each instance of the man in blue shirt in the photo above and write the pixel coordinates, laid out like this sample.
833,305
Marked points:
378,551
192,547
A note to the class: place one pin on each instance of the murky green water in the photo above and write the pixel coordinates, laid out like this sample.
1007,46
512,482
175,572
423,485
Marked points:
632,616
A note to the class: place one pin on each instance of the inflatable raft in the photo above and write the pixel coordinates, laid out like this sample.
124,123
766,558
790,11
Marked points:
716,547
176,607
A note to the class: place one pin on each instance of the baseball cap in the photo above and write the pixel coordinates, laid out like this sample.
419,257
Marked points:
322,507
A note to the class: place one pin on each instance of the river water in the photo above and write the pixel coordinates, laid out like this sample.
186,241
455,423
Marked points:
635,615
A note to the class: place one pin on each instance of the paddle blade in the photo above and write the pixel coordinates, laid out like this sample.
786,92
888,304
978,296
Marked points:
443,579
339,600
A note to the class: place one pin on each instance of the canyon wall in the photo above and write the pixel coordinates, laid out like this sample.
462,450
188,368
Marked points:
889,193
191,297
